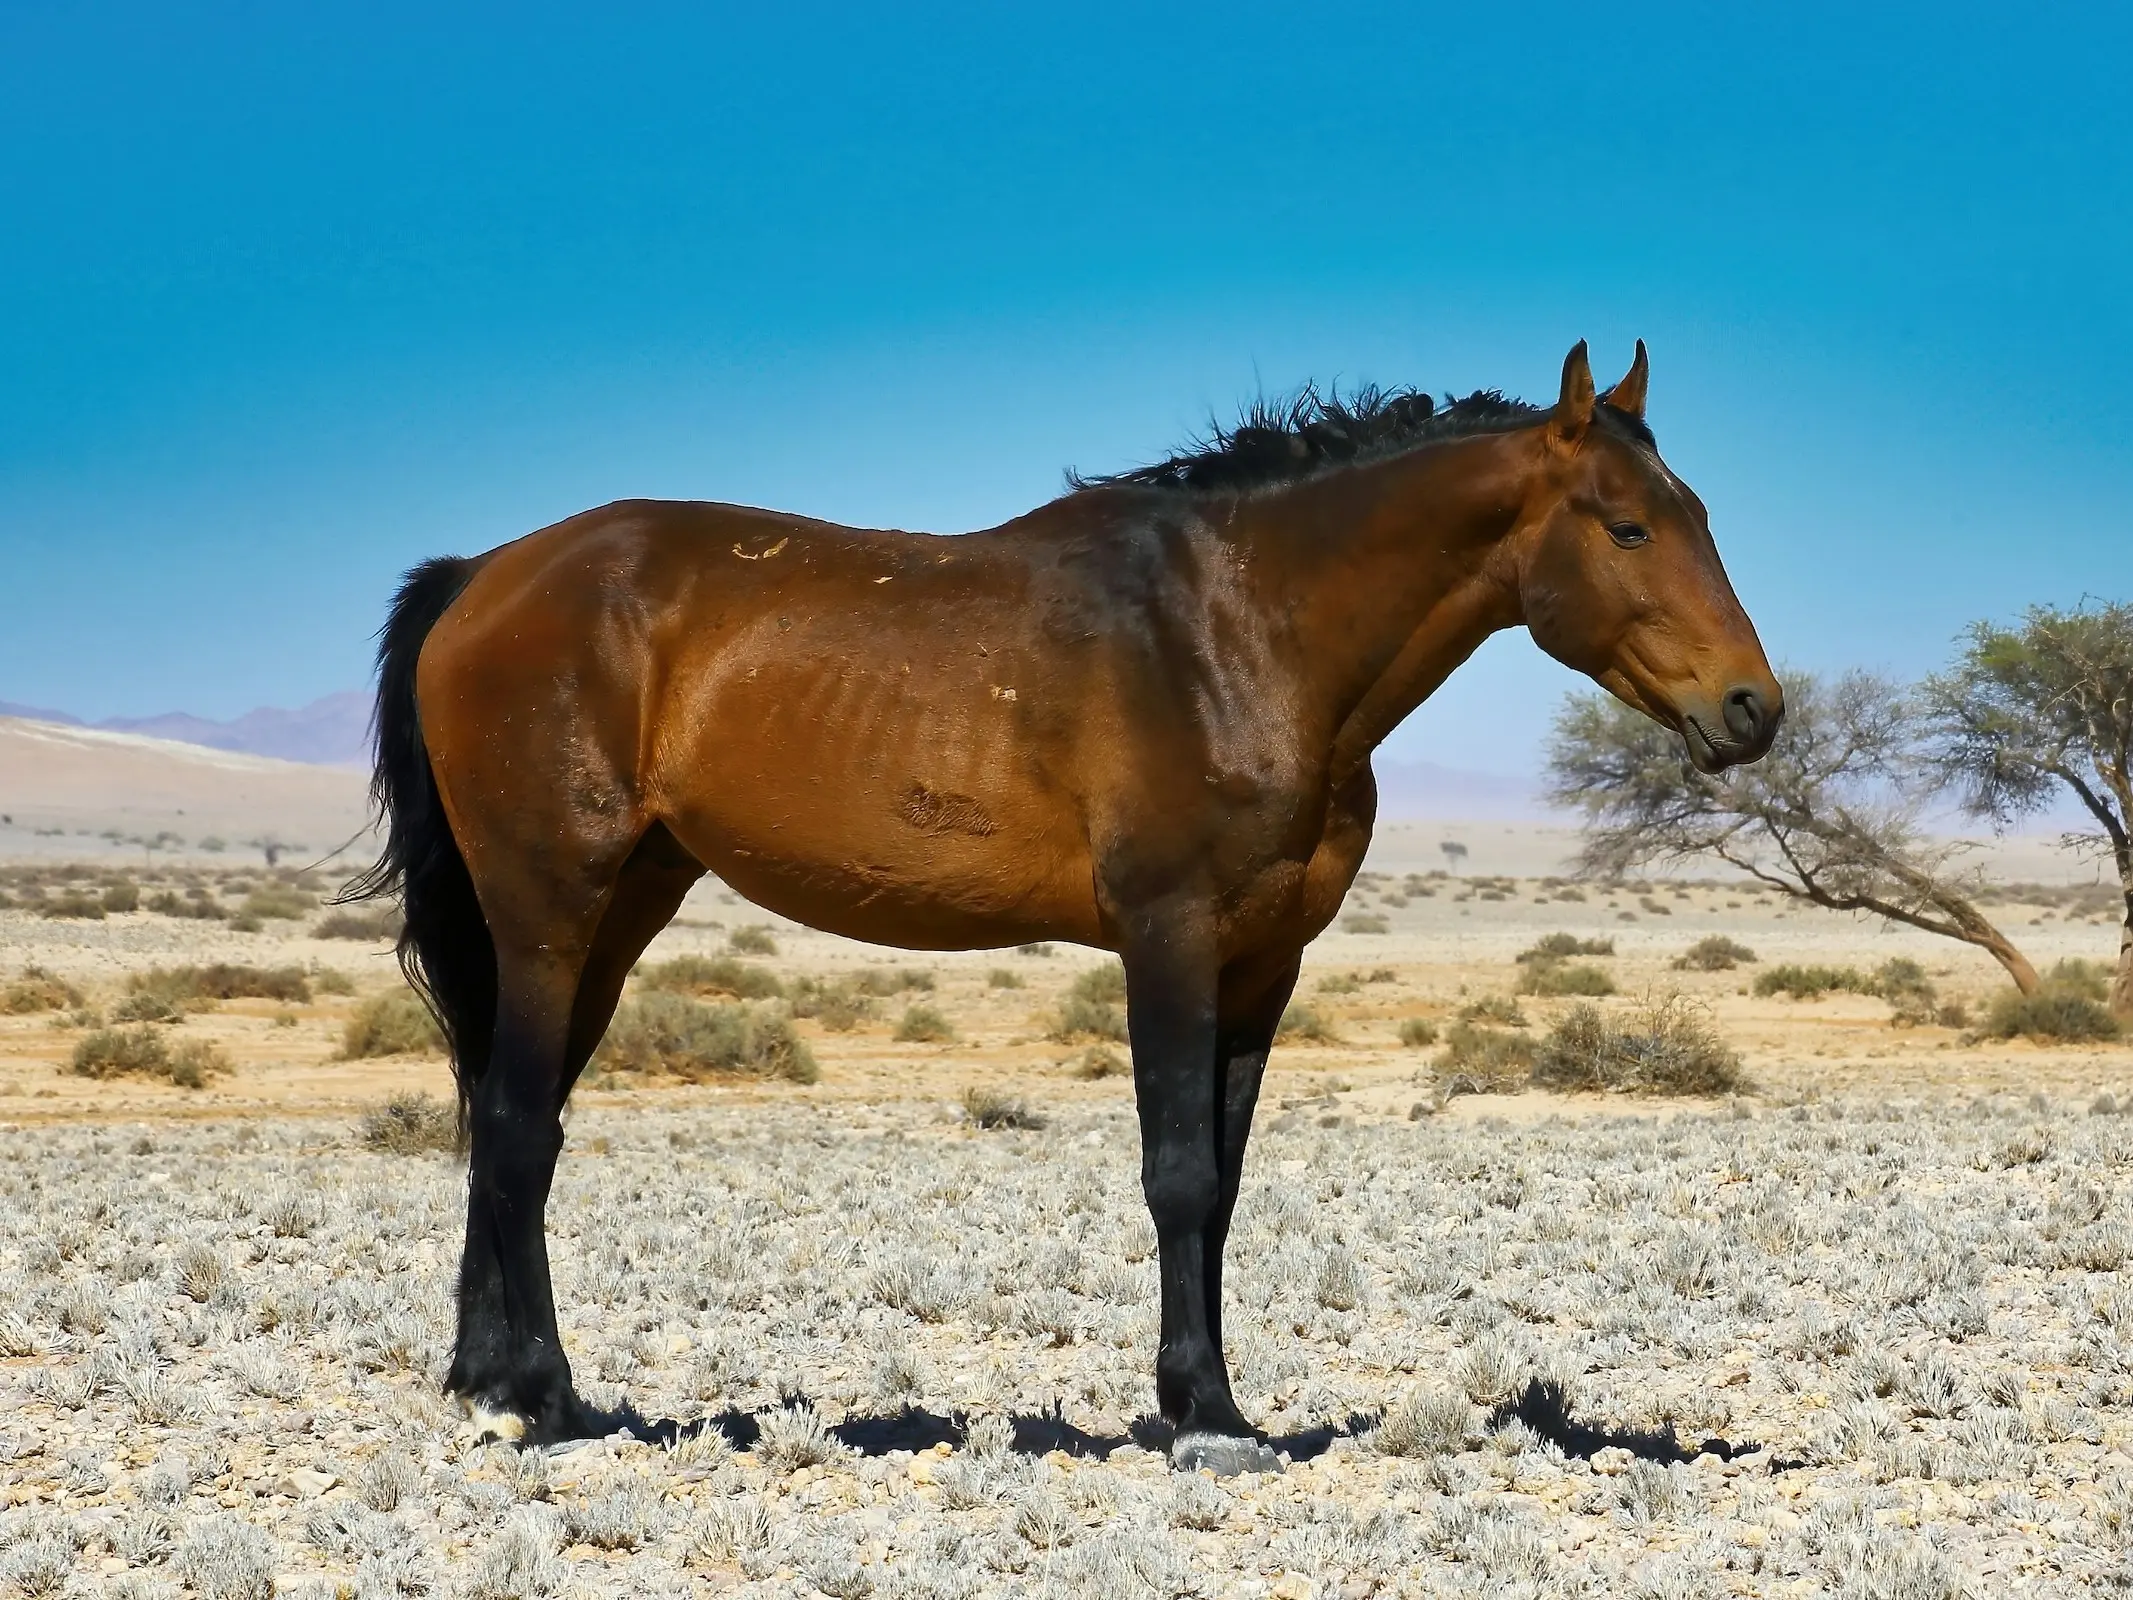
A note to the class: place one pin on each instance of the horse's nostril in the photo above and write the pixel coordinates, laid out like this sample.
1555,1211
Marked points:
1747,715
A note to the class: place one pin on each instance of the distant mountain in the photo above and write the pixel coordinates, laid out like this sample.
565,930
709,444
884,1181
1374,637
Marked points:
330,731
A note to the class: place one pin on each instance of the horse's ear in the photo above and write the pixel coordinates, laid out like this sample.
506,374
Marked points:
1573,410
1628,395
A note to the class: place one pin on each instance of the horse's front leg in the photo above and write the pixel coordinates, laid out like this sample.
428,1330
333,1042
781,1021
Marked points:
1172,988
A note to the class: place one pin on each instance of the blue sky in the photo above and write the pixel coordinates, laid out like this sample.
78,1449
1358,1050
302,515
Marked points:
291,297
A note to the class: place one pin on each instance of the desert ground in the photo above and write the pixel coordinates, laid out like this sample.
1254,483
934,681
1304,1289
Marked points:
1858,1325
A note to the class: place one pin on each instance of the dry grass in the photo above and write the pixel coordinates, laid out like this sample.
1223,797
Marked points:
410,1124
1665,1046
37,990
1927,1343
674,1035
391,1024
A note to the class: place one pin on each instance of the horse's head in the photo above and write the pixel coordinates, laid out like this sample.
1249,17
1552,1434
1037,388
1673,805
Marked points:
1619,577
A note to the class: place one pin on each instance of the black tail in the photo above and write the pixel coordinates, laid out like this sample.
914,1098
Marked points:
445,948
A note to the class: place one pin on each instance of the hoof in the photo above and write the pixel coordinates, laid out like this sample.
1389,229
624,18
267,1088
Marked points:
487,1425
1223,1454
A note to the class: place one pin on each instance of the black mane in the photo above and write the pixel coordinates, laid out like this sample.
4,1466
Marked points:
1286,441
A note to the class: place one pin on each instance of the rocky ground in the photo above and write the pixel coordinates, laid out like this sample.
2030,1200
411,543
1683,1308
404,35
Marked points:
1862,1329
1873,1350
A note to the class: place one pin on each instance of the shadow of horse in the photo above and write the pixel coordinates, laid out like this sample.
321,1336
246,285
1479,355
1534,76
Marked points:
1542,1407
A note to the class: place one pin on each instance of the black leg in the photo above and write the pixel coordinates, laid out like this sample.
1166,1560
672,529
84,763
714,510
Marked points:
1171,1003
1251,1011
509,1361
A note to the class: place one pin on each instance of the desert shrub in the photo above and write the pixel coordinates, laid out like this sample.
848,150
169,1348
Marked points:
146,1005
1302,1024
884,982
38,990
410,1125
74,903
1106,983
1478,1060
391,1024
754,940
996,1108
2089,979
376,927
1813,982
671,1033
1091,1007
835,1005
1418,1033
1498,1008
223,980
201,907
923,1024
1910,993
114,1052
121,896
109,1052
1339,983
1562,946
1665,1047
331,980
1547,978
2053,1013
1099,1061
1368,922
1716,953
194,1061
713,975
1039,949
1003,978
278,902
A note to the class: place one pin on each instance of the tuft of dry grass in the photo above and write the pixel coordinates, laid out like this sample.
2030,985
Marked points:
699,975
1418,1033
1666,1046
1553,947
1811,982
988,1107
391,1024
755,940
1716,953
1484,1060
1305,1024
116,1052
1093,1006
222,980
1099,1061
37,990
923,1024
2056,1013
685,1038
410,1124
381,926
1551,979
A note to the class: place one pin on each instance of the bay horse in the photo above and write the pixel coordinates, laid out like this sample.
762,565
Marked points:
1138,718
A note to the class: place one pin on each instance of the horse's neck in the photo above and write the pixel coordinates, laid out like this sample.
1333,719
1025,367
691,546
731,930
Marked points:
1398,574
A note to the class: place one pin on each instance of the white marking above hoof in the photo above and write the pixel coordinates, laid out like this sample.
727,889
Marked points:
1221,1454
488,1426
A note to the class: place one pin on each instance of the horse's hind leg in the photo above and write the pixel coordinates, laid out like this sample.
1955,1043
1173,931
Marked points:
561,961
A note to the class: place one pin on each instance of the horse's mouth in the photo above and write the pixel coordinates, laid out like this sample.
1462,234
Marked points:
1709,755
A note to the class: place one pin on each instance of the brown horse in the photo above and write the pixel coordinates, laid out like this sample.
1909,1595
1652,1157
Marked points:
1138,718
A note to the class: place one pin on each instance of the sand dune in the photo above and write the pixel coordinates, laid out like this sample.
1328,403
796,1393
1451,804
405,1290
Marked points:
65,790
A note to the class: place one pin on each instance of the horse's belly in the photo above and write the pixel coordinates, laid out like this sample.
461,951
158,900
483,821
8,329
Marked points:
925,869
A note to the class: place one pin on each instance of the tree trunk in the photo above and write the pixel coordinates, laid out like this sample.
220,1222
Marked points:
2122,989
2016,963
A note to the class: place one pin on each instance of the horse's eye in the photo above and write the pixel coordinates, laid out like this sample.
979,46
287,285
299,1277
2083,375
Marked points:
1629,534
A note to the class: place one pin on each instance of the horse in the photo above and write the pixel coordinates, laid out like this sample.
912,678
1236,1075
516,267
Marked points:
1138,718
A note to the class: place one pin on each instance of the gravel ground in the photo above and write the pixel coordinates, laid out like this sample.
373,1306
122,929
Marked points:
1494,1352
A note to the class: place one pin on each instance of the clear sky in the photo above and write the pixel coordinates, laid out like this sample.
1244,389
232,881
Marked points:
292,296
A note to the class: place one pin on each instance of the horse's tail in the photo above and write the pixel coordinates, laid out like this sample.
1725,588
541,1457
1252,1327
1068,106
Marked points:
445,947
